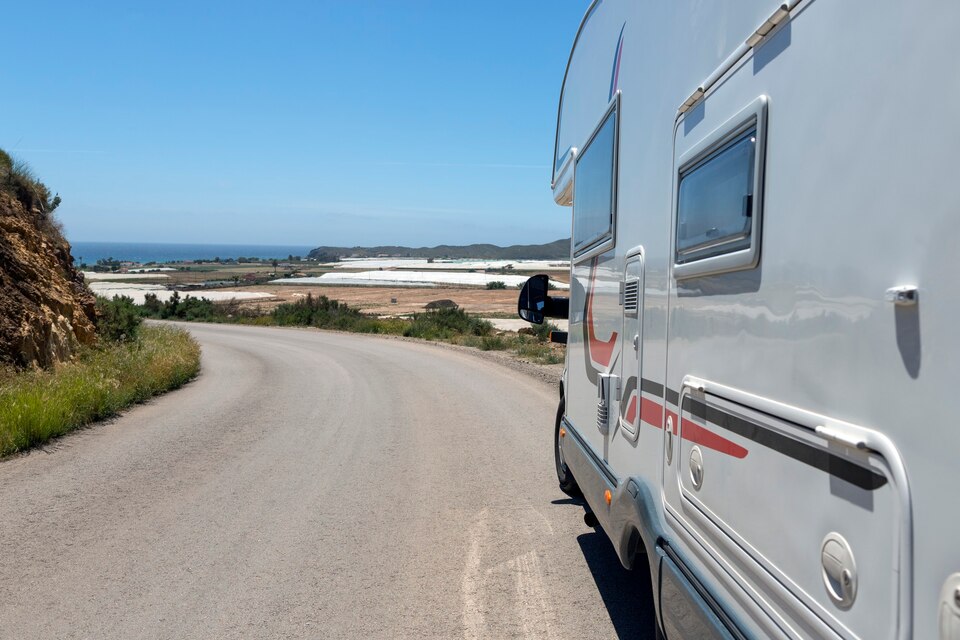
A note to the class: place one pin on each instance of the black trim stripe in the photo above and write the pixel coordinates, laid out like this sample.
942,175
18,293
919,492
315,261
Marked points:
651,387
673,397
804,452
657,389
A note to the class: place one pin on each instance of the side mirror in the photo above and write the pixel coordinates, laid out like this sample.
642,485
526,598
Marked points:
533,299
534,304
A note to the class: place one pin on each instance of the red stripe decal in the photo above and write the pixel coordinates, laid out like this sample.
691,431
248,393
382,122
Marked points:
699,435
600,351
632,409
651,413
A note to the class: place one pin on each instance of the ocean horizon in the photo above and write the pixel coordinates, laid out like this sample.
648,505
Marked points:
143,252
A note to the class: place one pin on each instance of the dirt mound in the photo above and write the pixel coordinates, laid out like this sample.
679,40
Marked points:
46,311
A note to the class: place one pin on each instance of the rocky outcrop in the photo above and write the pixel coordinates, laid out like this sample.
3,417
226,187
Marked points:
46,310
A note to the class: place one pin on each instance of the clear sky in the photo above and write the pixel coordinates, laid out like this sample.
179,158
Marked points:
335,123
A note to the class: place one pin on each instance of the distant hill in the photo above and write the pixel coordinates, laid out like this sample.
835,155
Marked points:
556,250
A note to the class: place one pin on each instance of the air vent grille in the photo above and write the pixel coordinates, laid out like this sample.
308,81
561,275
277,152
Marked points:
631,296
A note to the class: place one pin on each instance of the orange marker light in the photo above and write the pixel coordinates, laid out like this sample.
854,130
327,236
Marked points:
563,432
608,497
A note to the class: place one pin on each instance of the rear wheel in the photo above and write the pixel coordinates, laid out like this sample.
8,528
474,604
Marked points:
567,483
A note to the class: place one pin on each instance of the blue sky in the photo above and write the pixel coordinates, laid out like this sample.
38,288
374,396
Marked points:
353,123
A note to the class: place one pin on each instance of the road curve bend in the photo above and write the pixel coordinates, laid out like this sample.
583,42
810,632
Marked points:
311,485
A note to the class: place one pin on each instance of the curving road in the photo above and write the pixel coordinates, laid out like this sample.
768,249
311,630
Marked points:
311,485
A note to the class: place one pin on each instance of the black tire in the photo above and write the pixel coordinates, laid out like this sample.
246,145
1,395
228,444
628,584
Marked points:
567,482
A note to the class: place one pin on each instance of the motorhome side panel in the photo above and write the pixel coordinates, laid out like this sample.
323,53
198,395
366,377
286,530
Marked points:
631,42
808,354
805,476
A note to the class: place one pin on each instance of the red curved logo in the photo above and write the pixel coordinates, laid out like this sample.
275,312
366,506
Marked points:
601,351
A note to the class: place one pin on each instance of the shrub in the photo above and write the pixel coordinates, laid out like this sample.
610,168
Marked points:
542,331
444,303
324,313
492,343
537,351
118,320
443,324
192,309
496,284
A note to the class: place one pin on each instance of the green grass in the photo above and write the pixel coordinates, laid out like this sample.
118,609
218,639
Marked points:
36,406
527,347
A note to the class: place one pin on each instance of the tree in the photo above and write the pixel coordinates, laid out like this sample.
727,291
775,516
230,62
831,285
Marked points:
172,306
152,304
274,262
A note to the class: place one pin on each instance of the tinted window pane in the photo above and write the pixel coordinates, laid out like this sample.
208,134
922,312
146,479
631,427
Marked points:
593,188
716,202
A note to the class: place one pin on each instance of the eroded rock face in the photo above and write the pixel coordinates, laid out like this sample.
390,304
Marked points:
46,310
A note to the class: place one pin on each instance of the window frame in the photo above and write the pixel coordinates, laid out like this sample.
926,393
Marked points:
752,116
607,240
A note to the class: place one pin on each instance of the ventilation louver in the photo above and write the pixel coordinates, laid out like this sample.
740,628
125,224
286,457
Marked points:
631,297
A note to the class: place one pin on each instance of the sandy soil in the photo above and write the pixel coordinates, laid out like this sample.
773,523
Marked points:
379,300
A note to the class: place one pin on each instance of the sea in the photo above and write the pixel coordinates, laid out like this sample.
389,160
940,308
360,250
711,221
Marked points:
90,252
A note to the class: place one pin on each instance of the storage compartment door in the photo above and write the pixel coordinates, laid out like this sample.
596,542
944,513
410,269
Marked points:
812,528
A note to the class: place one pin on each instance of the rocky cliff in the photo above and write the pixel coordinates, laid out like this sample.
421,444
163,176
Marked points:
46,311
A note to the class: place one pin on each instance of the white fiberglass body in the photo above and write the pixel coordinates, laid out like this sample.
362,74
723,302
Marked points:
764,228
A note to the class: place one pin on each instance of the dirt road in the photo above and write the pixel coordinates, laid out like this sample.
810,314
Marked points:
311,485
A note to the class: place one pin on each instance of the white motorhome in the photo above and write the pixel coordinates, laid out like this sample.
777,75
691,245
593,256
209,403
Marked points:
759,392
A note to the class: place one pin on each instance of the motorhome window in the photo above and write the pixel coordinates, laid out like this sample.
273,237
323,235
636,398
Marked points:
715,201
593,197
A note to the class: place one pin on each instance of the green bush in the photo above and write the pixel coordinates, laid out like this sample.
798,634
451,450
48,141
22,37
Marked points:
324,313
496,284
492,343
189,308
118,320
542,331
443,324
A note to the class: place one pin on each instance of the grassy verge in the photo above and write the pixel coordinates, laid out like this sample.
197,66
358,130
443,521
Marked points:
441,325
38,405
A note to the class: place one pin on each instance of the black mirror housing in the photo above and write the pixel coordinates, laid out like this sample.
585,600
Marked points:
533,299
534,303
